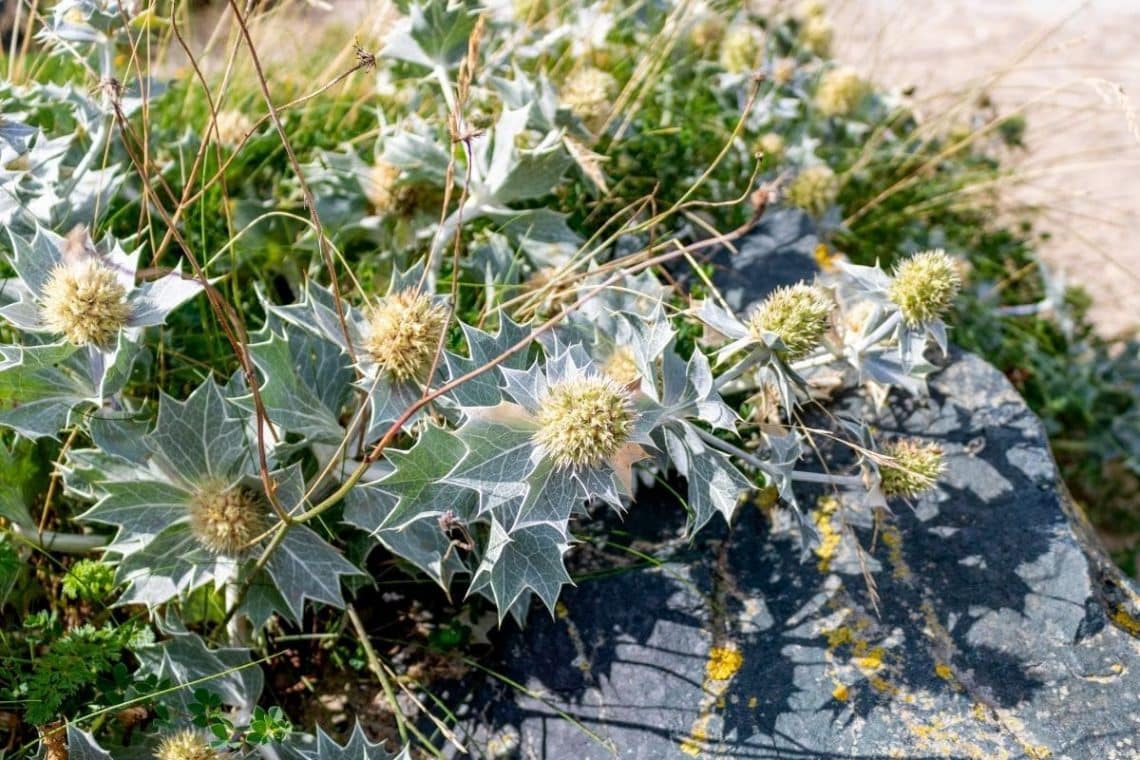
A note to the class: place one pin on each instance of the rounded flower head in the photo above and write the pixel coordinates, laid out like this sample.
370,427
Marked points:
924,286
226,520
916,468
622,367
816,34
771,145
739,50
587,93
232,127
186,745
404,331
86,302
839,92
814,189
707,32
584,421
797,314
380,187
783,69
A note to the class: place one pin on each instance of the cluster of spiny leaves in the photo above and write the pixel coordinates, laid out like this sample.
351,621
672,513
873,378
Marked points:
523,364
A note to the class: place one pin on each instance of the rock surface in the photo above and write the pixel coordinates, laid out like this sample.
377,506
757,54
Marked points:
996,628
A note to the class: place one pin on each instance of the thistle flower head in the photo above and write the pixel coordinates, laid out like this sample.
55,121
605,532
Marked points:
740,49
771,145
814,189
85,301
225,520
587,93
839,92
380,187
584,421
783,69
404,331
924,286
797,314
915,468
816,34
707,32
186,745
232,127
811,9
622,367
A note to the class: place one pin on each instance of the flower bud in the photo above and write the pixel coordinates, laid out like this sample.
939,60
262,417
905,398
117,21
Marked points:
814,189
622,367
226,520
797,315
816,34
404,331
915,468
584,421
86,302
771,146
924,286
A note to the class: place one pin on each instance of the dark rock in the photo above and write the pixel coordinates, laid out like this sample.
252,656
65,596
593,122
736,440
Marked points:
984,622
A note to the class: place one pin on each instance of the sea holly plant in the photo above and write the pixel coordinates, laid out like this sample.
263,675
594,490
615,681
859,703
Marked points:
250,457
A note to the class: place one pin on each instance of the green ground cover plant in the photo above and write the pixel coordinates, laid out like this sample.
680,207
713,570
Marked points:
272,347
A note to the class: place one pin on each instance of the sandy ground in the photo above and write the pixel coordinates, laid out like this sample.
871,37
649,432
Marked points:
1072,65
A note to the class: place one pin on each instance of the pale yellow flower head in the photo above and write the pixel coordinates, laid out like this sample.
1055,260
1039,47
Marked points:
403,333
840,91
814,189
584,421
86,302
226,520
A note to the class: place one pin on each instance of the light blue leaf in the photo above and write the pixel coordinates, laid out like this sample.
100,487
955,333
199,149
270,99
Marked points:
197,439
528,559
82,746
499,458
186,661
356,748
304,567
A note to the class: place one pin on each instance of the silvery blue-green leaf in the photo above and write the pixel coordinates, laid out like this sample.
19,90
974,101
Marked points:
865,282
304,567
688,390
34,260
418,154
515,173
16,134
387,402
187,662
356,748
141,509
553,495
82,746
38,403
483,347
423,542
433,34
170,566
316,312
499,457
87,471
306,382
528,559
542,233
121,435
886,368
43,356
201,439
152,302
714,483
721,320
262,601
519,92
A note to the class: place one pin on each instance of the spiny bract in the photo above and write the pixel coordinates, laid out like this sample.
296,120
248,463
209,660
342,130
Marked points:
86,302
916,467
797,314
584,421
404,331
924,286
226,520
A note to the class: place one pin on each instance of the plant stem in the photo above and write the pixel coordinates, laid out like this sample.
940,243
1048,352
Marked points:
732,450
823,477
378,670
743,366
66,543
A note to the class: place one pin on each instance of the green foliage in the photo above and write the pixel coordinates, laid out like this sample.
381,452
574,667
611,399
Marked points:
89,581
